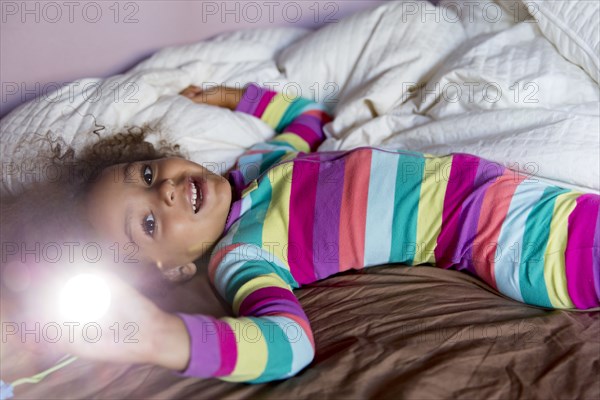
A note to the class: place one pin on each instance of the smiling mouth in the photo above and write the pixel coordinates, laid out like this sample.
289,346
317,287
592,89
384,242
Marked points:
196,196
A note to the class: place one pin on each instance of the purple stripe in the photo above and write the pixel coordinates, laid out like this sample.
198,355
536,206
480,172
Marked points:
487,173
250,99
205,356
235,179
327,218
578,254
314,124
460,184
234,214
271,300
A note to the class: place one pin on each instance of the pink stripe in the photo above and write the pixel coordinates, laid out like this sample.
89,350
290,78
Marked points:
493,212
248,152
322,115
270,300
460,184
353,213
311,122
305,133
304,324
218,257
596,256
302,212
578,255
228,348
264,102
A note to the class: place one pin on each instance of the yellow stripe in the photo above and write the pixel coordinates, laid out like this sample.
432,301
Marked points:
253,285
554,265
289,156
295,140
275,110
431,206
252,350
276,224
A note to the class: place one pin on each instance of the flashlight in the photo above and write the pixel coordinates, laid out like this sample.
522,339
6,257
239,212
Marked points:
85,297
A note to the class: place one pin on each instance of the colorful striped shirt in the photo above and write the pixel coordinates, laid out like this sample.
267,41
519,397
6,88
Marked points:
298,217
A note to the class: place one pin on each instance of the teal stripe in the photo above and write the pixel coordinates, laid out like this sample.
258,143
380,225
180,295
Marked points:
251,226
250,270
294,335
380,208
510,241
276,142
535,240
244,257
271,158
279,351
294,109
246,272
409,176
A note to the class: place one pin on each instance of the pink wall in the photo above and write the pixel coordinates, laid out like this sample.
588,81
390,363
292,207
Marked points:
44,44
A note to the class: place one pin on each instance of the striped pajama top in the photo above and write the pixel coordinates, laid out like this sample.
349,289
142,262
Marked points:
298,216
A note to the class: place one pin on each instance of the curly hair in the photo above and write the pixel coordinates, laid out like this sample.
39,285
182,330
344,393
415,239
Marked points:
127,146
51,212
75,169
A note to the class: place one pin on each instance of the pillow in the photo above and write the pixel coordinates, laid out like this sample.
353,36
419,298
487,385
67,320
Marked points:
148,94
375,51
572,26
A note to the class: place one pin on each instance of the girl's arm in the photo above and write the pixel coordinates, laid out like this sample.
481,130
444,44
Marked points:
144,333
298,123
219,96
270,338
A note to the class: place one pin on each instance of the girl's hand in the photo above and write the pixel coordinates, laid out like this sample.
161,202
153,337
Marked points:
219,96
134,330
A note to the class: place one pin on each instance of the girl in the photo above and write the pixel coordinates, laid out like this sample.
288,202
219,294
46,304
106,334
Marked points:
286,216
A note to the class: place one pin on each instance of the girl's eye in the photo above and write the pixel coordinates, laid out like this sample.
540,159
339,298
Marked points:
149,225
147,174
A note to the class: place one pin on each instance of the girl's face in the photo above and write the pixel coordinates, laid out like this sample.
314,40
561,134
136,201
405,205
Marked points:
172,209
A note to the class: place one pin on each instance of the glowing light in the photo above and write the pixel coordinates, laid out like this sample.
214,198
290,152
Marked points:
85,297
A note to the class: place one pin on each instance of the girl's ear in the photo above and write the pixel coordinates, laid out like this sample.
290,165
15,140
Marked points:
182,273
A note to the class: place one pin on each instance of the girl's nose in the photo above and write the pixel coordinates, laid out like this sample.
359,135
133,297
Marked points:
167,192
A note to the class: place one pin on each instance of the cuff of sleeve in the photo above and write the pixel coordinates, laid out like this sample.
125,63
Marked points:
250,99
205,358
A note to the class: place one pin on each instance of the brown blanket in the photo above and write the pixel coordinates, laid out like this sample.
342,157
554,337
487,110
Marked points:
387,332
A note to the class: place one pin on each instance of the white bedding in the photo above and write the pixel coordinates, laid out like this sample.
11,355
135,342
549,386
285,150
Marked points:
391,76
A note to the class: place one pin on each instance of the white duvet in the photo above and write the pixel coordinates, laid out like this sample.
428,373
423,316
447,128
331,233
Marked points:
480,79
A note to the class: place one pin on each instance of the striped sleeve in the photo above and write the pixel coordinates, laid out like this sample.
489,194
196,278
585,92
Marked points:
270,338
532,241
298,124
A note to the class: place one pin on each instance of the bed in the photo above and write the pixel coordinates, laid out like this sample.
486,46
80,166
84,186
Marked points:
512,82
